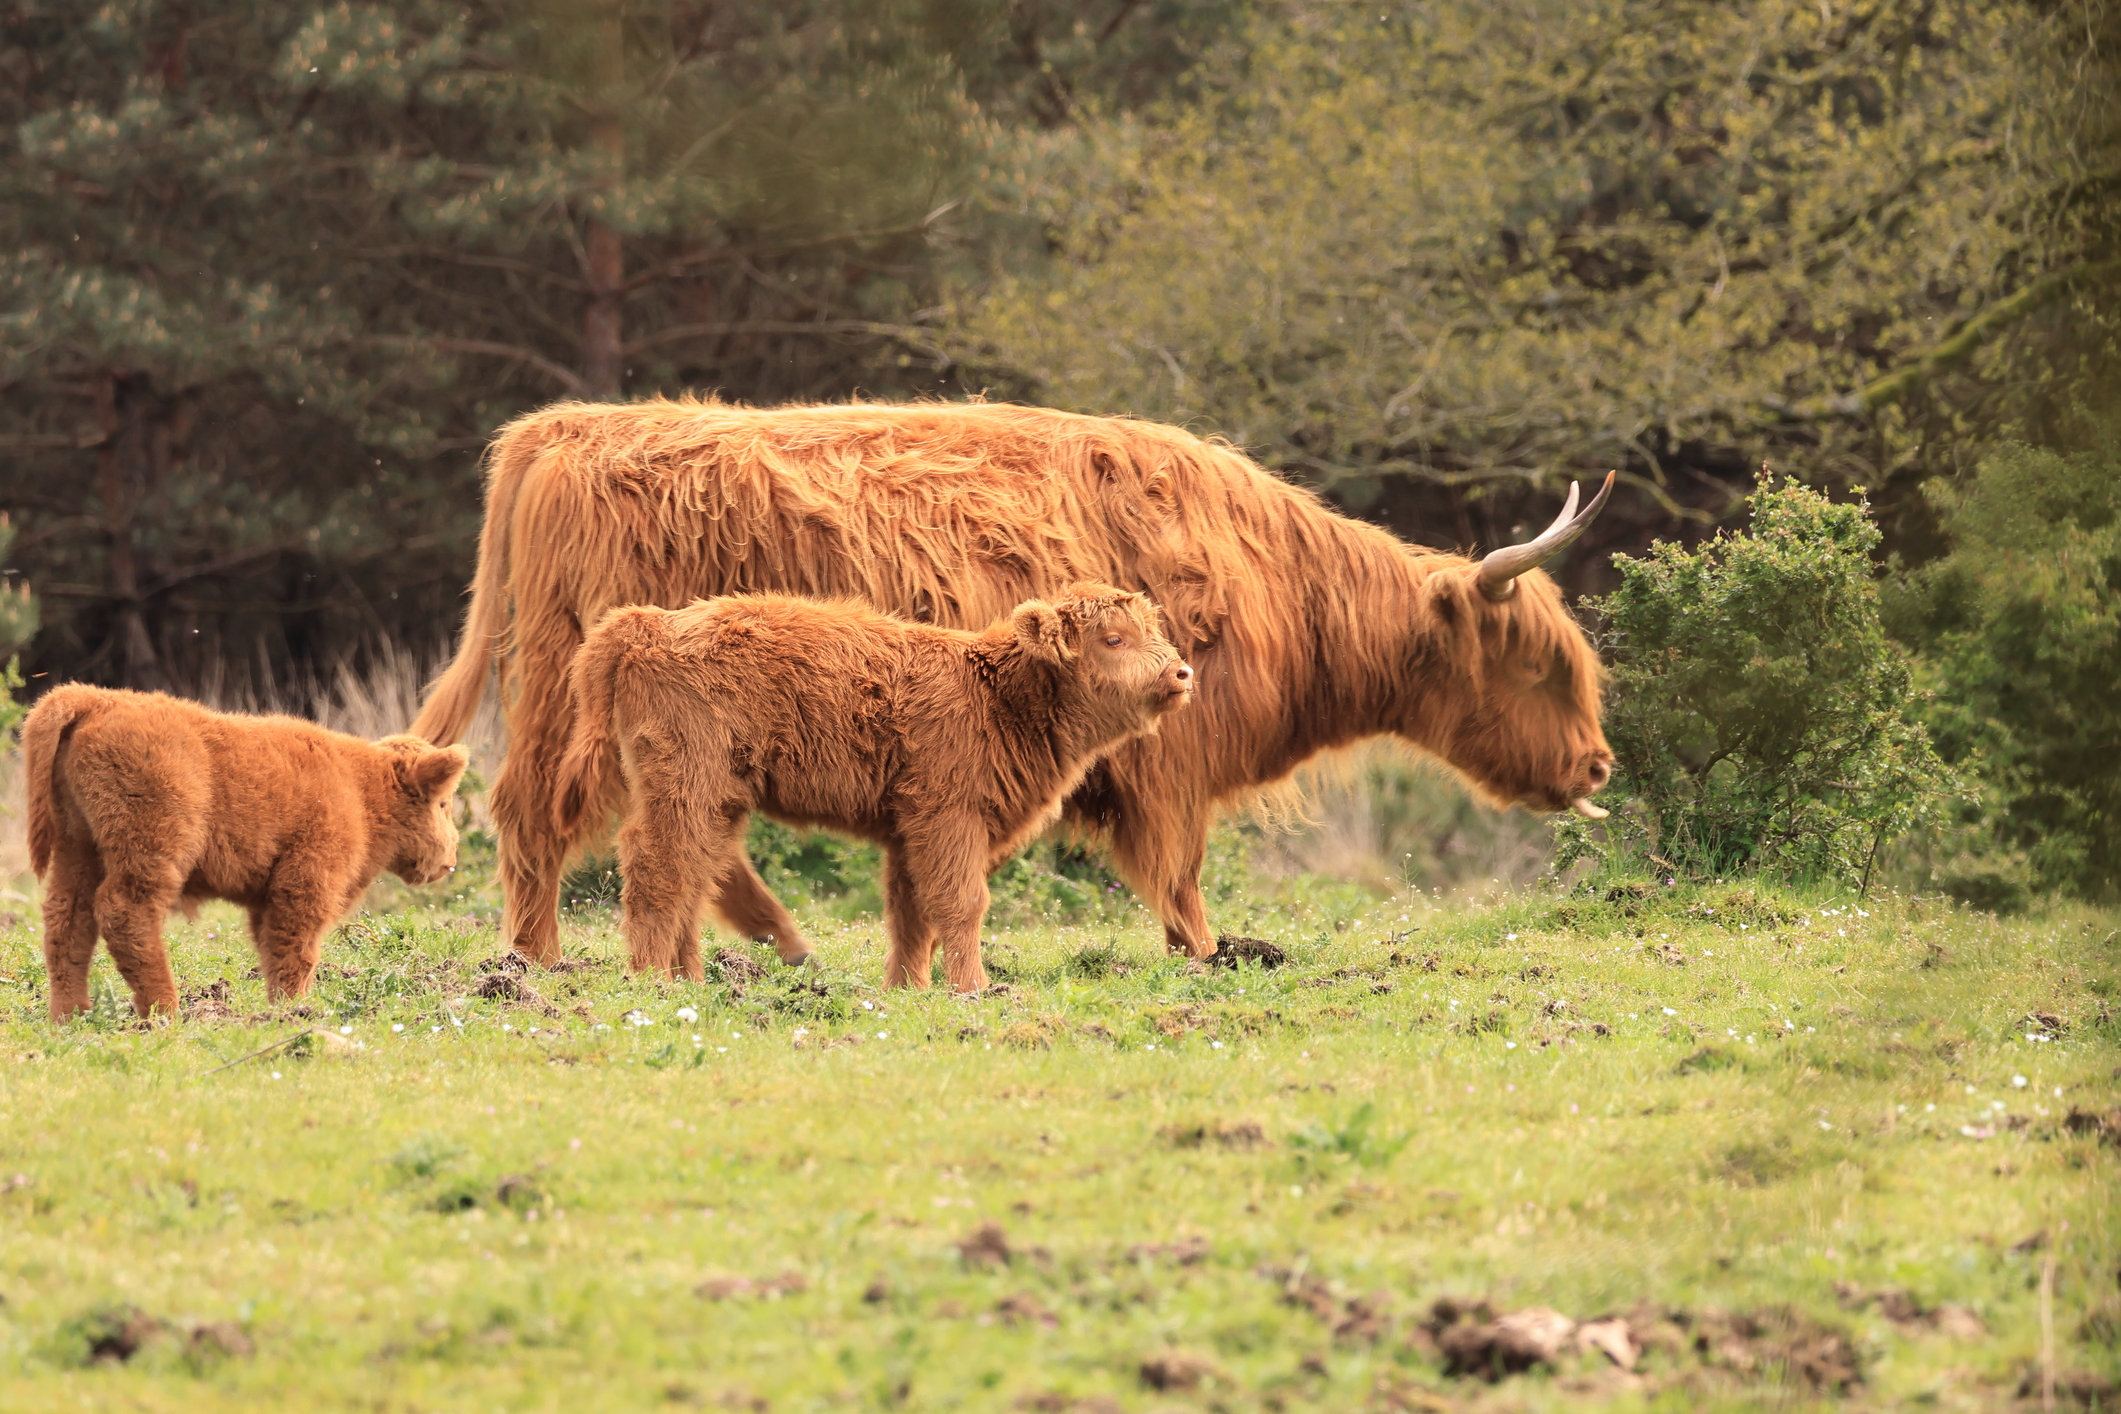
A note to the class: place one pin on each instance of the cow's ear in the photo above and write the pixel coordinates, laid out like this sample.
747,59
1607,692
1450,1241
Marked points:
1042,631
433,773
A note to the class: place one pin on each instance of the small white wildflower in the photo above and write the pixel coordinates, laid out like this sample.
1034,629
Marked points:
400,1026
883,1035
533,1030
276,1075
868,1006
346,1031
1929,1109
721,1050
2018,1082
1824,1125
1509,937
1969,1089
2058,1092
687,1015
1669,1012
506,1027
1509,1045
736,1035
1215,1045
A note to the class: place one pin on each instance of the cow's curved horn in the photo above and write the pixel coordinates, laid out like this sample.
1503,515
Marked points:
1499,568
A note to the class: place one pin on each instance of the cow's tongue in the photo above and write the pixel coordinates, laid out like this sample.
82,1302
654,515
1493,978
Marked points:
1588,810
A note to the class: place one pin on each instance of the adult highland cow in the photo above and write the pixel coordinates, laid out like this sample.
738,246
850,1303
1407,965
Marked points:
1306,630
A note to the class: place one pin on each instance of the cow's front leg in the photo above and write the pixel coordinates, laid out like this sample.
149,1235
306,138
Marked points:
945,863
303,900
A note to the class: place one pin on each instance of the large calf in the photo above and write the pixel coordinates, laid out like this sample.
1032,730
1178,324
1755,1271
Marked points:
946,747
140,802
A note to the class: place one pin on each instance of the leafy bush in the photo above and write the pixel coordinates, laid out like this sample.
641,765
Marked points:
2020,627
18,624
1759,713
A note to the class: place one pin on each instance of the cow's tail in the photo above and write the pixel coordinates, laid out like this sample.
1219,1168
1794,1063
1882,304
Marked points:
454,698
588,773
47,726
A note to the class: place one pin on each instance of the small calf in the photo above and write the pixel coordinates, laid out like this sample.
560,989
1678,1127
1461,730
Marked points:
948,748
140,802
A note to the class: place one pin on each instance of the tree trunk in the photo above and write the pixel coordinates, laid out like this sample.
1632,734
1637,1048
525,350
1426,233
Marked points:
603,329
136,440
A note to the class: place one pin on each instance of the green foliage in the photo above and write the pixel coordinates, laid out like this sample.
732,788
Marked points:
270,274
1468,242
1760,715
18,624
2020,628
1352,1139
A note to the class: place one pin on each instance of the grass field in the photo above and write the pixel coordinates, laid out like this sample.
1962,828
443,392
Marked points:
1805,1148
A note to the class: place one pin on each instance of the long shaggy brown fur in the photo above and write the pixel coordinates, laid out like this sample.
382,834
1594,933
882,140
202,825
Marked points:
140,803
947,748
1308,630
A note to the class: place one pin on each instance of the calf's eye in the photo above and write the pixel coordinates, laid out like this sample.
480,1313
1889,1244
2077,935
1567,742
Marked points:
1113,640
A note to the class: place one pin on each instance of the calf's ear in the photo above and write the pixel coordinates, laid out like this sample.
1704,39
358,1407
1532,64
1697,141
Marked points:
433,773
1042,631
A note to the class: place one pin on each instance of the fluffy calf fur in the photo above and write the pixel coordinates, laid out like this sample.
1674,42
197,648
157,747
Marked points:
946,747
140,802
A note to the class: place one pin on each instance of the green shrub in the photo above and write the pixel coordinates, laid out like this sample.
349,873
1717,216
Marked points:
1759,713
18,625
2020,631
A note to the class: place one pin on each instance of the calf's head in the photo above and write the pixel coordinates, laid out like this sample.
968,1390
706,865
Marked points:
1505,685
419,839
1124,672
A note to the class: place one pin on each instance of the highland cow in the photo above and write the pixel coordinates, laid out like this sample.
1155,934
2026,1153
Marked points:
950,749
140,803
1308,630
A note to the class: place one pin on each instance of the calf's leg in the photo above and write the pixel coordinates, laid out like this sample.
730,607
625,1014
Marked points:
750,909
669,856
70,925
301,903
130,907
908,962
946,866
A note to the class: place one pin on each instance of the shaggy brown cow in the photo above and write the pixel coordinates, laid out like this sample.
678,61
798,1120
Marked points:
139,803
948,748
1308,630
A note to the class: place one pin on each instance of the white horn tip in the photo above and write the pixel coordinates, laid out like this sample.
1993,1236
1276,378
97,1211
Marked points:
1588,810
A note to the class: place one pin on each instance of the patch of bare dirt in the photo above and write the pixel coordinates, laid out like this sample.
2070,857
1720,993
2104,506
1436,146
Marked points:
1229,1134
986,1246
1186,1252
2106,1128
209,1004
1169,1370
734,1288
738,970
1024,1309
1908,1313
1231,950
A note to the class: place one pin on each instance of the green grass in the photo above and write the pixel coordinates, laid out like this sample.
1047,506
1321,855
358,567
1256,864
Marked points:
1228,1165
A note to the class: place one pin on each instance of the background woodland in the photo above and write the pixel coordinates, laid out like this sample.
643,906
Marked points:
271,274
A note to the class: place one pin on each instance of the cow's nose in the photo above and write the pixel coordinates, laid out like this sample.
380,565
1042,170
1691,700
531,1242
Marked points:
1182,674
1601,772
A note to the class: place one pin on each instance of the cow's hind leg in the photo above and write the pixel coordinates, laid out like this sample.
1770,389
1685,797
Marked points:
749,908
130,907
70,926
669,857
533,857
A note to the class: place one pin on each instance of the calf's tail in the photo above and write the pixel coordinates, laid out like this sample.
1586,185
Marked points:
588,774
42,732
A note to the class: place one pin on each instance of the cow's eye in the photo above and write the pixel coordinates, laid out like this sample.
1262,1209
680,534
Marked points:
1113,640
